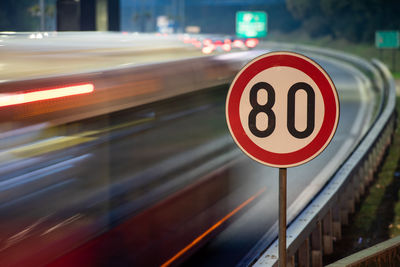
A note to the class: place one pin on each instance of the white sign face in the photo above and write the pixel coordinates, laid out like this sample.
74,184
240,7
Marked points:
282,109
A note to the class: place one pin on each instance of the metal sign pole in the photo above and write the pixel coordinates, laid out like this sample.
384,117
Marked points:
42,15
242,109
282,216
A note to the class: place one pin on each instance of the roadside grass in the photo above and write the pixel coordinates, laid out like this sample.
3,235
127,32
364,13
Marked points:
394,228
379,215
396,75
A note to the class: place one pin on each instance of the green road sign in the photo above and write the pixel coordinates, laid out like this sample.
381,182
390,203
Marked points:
387,39
251,24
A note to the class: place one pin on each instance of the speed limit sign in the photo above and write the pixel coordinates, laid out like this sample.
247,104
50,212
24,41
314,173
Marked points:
282,109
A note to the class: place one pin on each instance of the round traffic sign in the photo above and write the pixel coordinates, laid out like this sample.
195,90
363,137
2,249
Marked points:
282,109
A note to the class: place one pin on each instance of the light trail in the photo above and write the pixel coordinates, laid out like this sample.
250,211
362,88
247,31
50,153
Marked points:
47,94
212,228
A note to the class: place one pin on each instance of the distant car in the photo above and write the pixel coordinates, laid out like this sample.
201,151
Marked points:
211,43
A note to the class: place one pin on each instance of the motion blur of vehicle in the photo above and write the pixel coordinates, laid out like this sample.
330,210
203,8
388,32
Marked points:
96,163
114,150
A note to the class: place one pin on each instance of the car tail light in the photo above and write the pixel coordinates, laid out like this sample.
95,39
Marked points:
197,44
238,43
44,94
226,47
207,42
208,49
251,43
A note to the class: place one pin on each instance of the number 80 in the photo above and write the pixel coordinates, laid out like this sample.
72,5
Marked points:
291,99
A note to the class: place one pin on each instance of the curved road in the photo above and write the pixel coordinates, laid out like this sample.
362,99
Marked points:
117,174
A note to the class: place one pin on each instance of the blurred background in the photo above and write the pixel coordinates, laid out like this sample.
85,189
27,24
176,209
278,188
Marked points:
114,148
337,24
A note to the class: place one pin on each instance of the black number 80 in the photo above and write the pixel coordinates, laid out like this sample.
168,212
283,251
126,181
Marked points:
267,109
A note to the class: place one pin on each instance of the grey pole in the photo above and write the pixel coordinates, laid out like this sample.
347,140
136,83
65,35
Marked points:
282,216
41,5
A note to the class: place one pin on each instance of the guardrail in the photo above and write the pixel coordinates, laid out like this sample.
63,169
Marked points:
383,254
354,60
313,231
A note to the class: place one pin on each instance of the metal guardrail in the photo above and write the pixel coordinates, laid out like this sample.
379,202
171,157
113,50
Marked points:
383,254
354,60
312,233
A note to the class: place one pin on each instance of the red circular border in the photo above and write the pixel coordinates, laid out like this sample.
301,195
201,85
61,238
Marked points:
329,95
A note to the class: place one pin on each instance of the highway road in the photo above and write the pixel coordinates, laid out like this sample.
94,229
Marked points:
152,183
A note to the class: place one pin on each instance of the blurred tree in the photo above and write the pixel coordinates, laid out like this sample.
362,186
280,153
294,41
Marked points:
15,16
303,9
310,13
34,10
355,20
49,13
